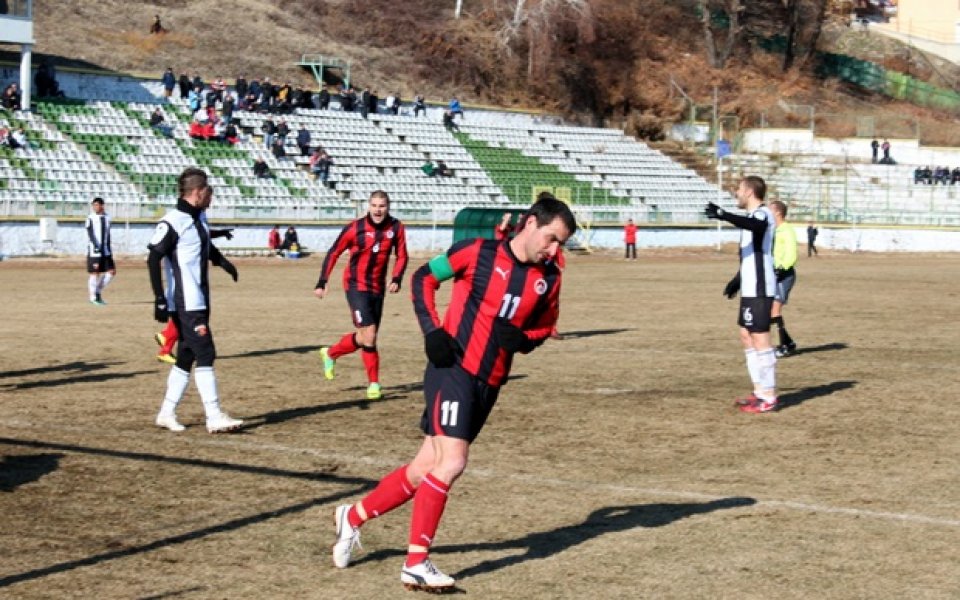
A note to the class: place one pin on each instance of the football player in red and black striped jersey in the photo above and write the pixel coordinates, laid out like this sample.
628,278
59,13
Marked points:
371,240
505,299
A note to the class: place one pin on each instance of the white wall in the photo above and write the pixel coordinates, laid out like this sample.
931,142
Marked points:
23,238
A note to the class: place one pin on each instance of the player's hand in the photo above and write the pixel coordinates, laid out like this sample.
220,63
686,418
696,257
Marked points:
713,211
394,287
733,287
320,292
510,337
441,348
228,233
160,310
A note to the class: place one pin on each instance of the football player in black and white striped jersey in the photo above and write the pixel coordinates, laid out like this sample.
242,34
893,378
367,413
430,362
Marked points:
100,265
756,283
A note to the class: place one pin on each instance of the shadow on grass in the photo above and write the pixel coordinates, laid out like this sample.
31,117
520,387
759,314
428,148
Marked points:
19,470
572,335
271,352
818,391
287,414
824,348
97,378
83,367
544,544
357,486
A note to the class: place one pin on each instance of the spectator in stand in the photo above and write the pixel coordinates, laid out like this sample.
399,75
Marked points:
324,98
443,170
226,109
455,108
194,100
19,137
389,102
943,175
283,130
156,122
210,112
419,105
11,97
875,150
886,152
269,129
290,239
320,164
261,169
397,103
254,90
230,134
278,150
185,87
169,81
364,103
157,27
348,100
209,129
240,87
218,88
303,140
918,175
955,176
4,137
448,122
273,239
630,240
374,102
284,98
268,95
196,130
197,81
501,230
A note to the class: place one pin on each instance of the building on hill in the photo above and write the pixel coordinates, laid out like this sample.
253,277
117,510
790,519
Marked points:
933,20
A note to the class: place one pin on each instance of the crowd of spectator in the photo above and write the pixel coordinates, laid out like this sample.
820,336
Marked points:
936,175
14,138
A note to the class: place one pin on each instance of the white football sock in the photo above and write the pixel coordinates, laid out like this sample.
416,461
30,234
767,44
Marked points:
107,278
177,383
207,386
768,373
93,284
753,367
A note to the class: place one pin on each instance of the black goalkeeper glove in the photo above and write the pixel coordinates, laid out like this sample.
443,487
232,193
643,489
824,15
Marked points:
441,348
160,310
227,232
733,287
231,270
713,211
511,338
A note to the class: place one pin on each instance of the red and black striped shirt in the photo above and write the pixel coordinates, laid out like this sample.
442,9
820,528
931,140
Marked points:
370,246
489,282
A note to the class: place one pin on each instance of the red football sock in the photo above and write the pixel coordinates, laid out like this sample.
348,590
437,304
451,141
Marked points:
170,333
428,504
371,360
392,491
346,345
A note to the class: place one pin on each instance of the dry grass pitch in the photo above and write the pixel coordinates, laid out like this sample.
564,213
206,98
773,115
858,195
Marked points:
614,466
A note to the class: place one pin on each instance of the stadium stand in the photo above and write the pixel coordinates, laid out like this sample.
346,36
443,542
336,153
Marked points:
832,188
83,148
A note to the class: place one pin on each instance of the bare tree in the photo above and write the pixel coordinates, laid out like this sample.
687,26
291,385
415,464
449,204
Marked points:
729,11
804,22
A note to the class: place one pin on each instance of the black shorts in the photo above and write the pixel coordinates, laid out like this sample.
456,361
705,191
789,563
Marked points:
365,308
100,264
755,314
457,403
196,337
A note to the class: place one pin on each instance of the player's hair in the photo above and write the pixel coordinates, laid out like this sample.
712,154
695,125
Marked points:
191,179
546,209
779,207
97,200
380,194
757,185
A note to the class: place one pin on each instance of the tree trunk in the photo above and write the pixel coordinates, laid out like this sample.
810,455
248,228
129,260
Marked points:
793,24
717,56
817,28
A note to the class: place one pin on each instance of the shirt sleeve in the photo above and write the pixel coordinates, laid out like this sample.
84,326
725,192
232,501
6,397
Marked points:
546,318
400,266
340,245
426,280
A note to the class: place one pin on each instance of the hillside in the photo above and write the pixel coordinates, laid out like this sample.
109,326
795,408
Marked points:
607,61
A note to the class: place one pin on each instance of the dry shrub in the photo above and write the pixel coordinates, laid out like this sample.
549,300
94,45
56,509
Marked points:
645,126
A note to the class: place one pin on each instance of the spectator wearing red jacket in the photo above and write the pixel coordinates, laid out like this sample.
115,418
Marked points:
630,239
